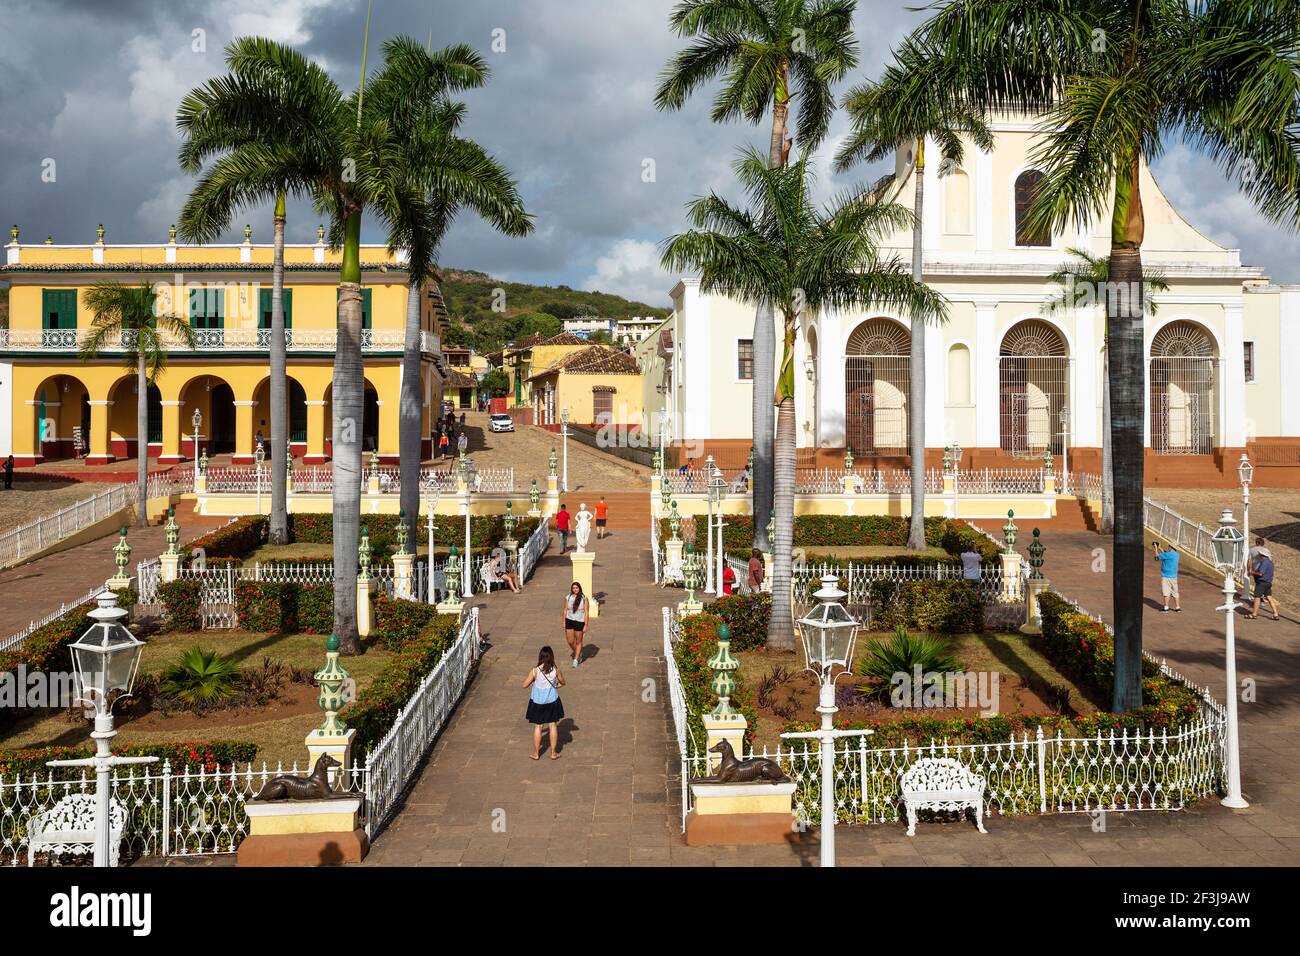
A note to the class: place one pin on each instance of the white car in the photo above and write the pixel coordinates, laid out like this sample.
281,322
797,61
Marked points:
500,423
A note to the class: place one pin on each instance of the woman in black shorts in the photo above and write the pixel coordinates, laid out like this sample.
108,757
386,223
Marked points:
575,620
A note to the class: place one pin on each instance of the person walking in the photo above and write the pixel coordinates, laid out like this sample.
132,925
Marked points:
602,515
757,570
575,620
562,526
462,421
9,473
1168,560
462,442
728,580
443,445
544,705
1261,573
970,566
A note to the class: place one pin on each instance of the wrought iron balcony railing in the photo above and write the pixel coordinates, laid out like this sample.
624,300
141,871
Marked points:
218,340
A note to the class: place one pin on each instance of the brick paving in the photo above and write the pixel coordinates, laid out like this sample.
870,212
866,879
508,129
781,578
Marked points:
31,591
614,796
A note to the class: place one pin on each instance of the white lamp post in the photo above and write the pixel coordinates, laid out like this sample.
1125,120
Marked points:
1245,472
467,575
104,662
197,422
1229,546
1065,449
718,492
564,434
259,457
828,633
708,527
431,503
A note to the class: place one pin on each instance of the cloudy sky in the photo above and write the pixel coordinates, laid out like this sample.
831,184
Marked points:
93,85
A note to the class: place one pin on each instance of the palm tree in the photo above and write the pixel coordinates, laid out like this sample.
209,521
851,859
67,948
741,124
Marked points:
1112,81
803,259
1083,279
127,316
445,174
768,52
879,127
213,123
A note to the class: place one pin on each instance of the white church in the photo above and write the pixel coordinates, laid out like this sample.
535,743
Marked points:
1007,378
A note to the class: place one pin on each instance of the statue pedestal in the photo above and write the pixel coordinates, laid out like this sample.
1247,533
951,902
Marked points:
304,832
338,747
456,607
687,608
116,583
583,562
768,565
1033,616
734,814
169,567
730,729
1011,590
403,583
365,613
673,551
534,512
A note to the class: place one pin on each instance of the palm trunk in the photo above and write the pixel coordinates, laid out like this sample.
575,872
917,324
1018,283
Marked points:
780,628
916,374
1107,465
279,529
141,437
349,418
763,414
410,407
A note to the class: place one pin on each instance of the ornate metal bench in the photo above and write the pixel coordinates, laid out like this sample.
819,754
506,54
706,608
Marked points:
69,827
942,783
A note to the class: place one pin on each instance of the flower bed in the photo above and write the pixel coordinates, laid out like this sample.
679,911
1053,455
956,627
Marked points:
698,643
376,707
268,607
191,755
233,541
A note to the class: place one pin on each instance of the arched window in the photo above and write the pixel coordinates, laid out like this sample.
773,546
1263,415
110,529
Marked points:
877,378
1184,397
1027,184
959,375
956,190
1033,382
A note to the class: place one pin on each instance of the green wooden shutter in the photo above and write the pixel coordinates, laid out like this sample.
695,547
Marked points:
264,308
365,308
58,308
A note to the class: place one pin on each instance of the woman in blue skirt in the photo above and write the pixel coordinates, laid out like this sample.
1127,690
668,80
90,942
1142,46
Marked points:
544,706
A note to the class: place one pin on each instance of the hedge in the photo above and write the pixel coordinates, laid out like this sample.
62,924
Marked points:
376,708
747,616
940,607
698,643
316,608
812,531
182,600
191,755
267,607
234,541
485,531
398,621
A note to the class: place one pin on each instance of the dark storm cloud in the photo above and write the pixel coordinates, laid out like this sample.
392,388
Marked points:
94,87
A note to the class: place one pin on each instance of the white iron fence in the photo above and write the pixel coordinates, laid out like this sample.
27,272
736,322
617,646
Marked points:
533,549
40,533
319,479
201,812
1039,774
1188,535
14,640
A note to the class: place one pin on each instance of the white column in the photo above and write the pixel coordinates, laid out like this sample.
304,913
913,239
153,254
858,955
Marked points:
830,380
1288,386
1232,428
987,426
696,362
931,236
1085,401
936,377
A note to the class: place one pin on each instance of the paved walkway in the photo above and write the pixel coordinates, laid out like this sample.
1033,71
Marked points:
31,591
613,796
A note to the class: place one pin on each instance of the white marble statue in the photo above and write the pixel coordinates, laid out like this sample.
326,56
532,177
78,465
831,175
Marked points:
583,527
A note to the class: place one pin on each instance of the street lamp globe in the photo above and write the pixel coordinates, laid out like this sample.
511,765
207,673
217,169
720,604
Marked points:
105,658
1229,543
196,419
1245,470
828,631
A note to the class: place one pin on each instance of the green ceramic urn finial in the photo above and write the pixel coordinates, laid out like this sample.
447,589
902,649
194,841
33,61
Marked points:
1036,549
331,679
363,555
1009,531
723,665
122,553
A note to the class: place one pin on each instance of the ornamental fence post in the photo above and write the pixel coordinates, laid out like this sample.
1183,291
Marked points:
1042,772
167,808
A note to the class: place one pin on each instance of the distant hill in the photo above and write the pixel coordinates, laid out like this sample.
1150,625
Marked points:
470,297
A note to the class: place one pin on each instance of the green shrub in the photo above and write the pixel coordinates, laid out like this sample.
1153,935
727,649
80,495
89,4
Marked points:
904,653
397,621
943,607
186,755
697,644
485,530
199,677
747,616
316,608
377,707
266,607
234,541
182,601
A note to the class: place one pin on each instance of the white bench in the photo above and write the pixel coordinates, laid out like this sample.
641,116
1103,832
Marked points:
69,827
672,574
942,783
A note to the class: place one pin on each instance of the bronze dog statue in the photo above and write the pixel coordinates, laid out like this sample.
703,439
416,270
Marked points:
752,770
313,787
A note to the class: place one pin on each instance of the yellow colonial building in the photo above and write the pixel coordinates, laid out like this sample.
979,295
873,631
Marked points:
531,354
54,405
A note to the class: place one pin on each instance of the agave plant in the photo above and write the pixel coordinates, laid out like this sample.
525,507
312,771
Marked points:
200,677
903,654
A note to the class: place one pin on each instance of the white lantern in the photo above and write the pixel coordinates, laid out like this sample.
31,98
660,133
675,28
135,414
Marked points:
1245,470
105,658
828,630
1229,543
